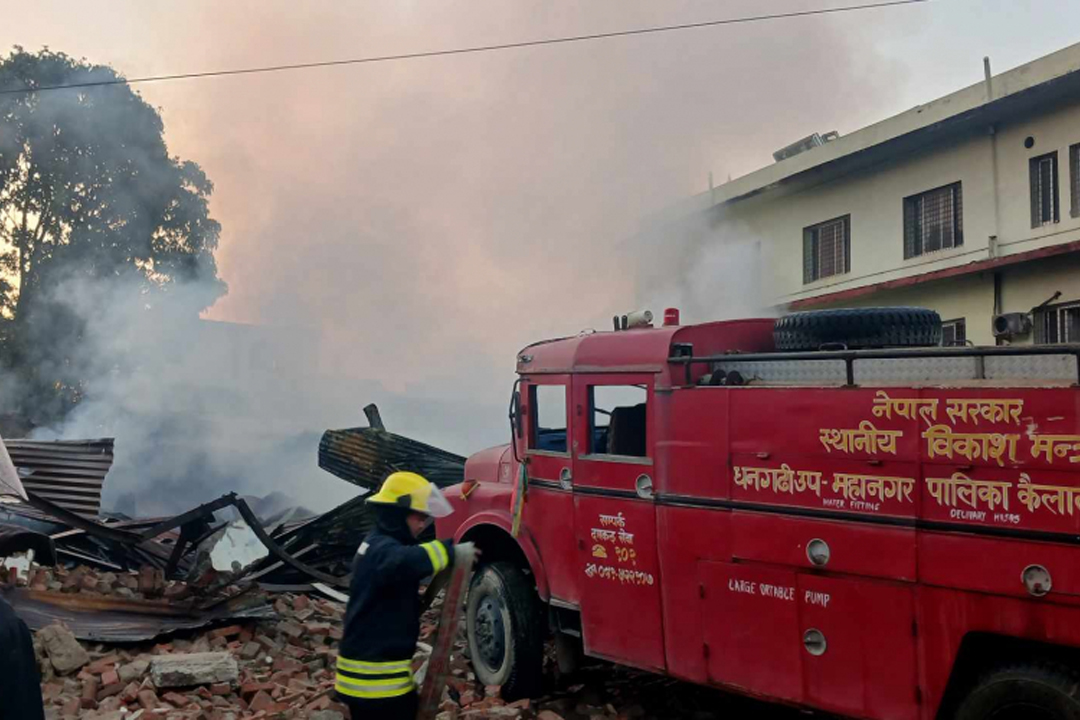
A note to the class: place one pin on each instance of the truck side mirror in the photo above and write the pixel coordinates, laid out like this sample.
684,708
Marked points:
515,413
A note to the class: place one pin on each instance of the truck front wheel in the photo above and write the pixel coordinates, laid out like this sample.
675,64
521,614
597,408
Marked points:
1024,692
506,641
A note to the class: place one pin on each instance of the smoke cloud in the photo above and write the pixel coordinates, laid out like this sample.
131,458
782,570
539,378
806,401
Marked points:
396,232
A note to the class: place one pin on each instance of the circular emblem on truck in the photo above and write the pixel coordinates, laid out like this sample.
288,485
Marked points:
1037,580
817,552
814,642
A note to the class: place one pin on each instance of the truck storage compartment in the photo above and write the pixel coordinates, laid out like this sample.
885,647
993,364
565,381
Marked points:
834,546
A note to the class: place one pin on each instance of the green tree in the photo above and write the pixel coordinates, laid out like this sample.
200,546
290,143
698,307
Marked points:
88,191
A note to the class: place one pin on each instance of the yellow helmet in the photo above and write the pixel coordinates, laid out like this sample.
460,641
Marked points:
412,491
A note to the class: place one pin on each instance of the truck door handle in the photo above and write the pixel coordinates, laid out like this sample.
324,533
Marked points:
566,479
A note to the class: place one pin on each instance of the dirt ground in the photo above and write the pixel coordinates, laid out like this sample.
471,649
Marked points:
610,691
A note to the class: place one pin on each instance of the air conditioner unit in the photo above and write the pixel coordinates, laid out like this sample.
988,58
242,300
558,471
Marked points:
1010,325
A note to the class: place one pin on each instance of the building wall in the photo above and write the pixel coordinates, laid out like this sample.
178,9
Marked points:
874,200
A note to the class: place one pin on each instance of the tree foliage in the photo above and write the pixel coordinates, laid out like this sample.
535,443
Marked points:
88,192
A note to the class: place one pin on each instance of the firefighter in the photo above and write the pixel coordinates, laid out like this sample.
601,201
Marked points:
20,684
382,618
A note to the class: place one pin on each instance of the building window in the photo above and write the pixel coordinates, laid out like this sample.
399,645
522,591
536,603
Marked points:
827,249
1044,190
933,221
954,332
1058,324
1074,178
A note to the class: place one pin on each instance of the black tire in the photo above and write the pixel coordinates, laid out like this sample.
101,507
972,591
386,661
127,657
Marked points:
506,638
1029,691
858,328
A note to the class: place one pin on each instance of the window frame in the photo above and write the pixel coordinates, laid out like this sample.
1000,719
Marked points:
1035,178
590,426
915,246
1074,179
534,415
956,323
1040,324
812,251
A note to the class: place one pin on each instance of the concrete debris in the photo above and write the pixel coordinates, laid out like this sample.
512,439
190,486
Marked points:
63,650
190,669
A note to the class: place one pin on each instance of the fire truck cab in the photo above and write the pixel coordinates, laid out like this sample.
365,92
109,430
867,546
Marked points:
870,530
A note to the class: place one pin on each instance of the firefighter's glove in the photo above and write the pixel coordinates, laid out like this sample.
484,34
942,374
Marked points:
466,551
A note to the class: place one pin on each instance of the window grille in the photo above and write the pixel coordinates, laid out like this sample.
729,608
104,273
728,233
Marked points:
1057,324
933,221
1044,190
827,249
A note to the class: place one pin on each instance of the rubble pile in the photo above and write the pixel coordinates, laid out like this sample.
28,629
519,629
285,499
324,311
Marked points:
279,668
147,584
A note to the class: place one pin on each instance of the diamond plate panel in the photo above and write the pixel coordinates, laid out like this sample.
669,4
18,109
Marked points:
791,372
905,371
1032,367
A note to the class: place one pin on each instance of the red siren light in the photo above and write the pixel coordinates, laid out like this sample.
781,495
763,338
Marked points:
671,317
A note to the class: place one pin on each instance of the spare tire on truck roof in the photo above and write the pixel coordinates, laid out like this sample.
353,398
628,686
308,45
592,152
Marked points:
853,328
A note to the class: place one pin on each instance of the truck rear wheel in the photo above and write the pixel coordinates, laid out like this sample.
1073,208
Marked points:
1024,692
506,642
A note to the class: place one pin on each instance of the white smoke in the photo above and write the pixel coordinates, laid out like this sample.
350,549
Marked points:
199,408
710,269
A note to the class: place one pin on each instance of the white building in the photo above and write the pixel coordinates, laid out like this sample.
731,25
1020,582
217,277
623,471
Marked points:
969,205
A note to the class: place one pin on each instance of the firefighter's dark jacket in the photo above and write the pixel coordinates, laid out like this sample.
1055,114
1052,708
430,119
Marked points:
20,684
382,618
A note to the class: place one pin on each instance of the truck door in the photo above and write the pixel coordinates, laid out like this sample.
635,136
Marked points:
550,505
615,518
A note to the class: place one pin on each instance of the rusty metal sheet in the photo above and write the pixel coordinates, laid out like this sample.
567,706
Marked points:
365,456
119,620
70,473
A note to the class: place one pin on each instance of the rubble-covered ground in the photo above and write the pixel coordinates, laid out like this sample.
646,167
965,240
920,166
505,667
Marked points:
283,667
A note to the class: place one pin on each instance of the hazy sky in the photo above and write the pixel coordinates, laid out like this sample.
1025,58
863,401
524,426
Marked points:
433,216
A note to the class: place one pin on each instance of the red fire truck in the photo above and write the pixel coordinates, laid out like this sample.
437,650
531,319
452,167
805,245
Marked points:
825,510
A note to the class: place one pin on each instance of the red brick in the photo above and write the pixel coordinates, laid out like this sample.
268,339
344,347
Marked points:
110,677
220,689
89,694
71,707
227,632
252,688
175,699
102,664
148,699
109,690
320,703
262,701
318,629
131,693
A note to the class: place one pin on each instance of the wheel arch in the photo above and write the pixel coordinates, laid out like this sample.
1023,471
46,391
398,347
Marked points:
490,530
981,652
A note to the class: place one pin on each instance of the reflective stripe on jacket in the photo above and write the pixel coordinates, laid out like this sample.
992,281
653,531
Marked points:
373,680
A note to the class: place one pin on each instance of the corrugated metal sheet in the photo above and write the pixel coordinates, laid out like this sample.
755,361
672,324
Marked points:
70,473
365,456
116,620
